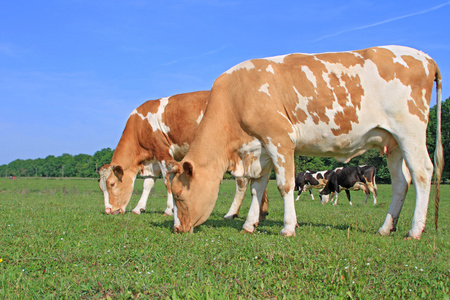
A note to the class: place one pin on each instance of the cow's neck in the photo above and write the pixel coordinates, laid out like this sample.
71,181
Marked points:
216,143
129,153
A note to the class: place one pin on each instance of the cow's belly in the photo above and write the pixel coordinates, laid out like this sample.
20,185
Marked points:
151,168
342,147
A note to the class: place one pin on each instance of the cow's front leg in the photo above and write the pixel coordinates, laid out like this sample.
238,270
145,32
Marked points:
336,196
169,211
257,187
241,188
347,192
149,182
286,184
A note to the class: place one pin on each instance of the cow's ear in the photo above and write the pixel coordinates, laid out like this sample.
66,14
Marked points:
173,167
188,168
118,172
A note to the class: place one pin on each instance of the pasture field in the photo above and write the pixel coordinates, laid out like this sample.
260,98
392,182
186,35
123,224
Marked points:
56,242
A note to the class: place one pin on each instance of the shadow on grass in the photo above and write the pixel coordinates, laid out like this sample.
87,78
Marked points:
238,222
334,226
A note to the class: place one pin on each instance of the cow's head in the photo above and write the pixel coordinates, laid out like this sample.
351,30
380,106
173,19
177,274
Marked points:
195,192
117,187
324,198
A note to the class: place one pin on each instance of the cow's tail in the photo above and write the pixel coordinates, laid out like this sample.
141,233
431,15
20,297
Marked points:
375,187
439,151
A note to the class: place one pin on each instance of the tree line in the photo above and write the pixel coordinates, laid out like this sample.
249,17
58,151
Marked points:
86,166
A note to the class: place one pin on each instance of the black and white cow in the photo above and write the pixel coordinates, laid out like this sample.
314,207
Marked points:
346,178
307,180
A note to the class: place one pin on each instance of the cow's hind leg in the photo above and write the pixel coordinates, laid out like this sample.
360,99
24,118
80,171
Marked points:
241,188
401,179
371,188
336,195
421,168
264,208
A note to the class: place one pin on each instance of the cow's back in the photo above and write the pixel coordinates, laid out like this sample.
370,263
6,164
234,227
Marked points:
168,124
323,101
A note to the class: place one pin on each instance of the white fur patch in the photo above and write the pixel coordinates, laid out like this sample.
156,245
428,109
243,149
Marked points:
400,51
276,59
270,69
155,120
264,88
310,75
248,65
199,119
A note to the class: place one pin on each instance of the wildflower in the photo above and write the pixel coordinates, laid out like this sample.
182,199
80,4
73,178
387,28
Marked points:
1,260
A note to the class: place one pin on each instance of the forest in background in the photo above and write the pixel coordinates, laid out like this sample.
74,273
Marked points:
86,166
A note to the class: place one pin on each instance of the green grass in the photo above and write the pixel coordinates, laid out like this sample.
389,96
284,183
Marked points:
56,242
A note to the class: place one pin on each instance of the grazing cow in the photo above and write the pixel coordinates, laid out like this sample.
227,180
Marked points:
308,180
347,178
350,179
156,132
264,111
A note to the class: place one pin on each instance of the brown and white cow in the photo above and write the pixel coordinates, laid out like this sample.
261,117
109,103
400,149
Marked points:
263,111
156,132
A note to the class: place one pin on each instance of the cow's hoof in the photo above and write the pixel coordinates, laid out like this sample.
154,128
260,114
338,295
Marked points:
245,231
384,232
230,217
286,232
417,238
168,213
415,235
249,229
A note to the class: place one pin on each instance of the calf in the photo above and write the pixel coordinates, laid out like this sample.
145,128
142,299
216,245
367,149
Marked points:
347,178
307,180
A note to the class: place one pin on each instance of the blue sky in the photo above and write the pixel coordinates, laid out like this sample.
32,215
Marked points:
72,71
